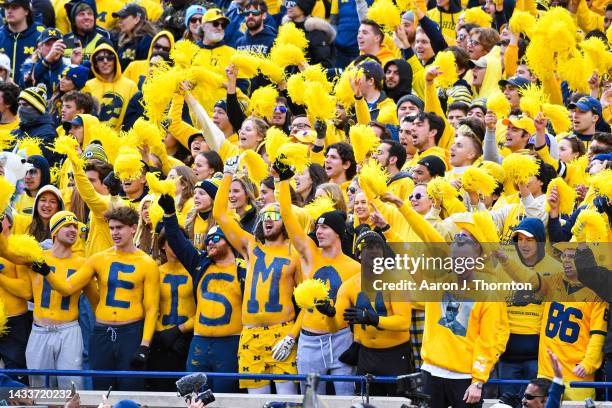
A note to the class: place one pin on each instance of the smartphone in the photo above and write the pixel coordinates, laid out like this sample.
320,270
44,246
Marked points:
73,389
72,43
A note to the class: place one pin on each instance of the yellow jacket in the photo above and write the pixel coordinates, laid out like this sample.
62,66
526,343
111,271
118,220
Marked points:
113,96
138,70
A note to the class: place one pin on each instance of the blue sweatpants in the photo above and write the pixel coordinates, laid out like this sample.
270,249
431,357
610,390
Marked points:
112,348
215,354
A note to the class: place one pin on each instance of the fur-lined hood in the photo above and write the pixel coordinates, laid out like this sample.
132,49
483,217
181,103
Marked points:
316,23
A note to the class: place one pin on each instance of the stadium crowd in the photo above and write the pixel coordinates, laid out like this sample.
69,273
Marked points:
177,180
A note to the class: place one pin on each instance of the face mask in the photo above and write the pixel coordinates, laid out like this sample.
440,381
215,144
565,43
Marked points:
27,113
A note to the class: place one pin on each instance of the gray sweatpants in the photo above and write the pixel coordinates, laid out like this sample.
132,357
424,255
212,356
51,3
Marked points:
319,354
55,348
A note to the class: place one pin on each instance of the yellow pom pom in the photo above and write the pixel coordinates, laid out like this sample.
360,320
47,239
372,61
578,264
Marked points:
160,187
566,194
386,14
3,319
148,134
318,74
295,155
373,178
111,142
532,99
26,247
285,55
364,141
519,168
596,51
602,182
156,213
6,193
246,62
158,89
522,22
263,101
343,90
30,145
476,179
296,87
559,117
540,58
590,226
499,105
288,33
319,102
556,28
387,115
275,138
309,292
272,71
183,53
576,71
445,61
320,206
440,189
256,167
128,164
609,34
478,16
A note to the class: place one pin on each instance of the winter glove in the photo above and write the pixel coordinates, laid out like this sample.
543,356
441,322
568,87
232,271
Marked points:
166,202
326,308
283,348
41,268
354,315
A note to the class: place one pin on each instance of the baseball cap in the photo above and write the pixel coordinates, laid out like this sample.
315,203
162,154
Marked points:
215,14
480,62
49,34
131,9
23,3
516,81
587,103
373,70
193,10
521,122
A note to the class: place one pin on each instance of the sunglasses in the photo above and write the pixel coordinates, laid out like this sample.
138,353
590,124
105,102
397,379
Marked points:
280,109
32,172
461,239
104,57
214,239
161,47
254,13
416,196
530,397
352,190
194,20
217,23
270,216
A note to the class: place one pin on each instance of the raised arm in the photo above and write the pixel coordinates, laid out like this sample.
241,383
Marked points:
213,136
301,241
97,203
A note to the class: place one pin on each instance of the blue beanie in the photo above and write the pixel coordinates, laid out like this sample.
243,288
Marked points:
209,186
79,74
192,11
126,404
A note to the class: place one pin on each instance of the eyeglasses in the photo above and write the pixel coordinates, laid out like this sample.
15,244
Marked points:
271,216
280,109
104,57
416,196
214,239
473,42
461,37
300,126
161,47
194,20
529,397
254,13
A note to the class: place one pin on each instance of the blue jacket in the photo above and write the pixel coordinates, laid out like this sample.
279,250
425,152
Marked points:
348,24
195,261
49,74
44,129
555,392
18,47
236,28
260,43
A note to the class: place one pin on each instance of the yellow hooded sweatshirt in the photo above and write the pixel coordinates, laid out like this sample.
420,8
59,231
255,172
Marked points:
137,71
113,95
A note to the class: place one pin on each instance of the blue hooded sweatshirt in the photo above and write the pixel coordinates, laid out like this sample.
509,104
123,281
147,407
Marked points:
534,227
259,43
19,47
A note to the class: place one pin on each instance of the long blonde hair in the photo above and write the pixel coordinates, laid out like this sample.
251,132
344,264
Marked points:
146,238
188,181
333,190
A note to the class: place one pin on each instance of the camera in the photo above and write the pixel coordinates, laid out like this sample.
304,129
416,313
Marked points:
193,383
410,386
